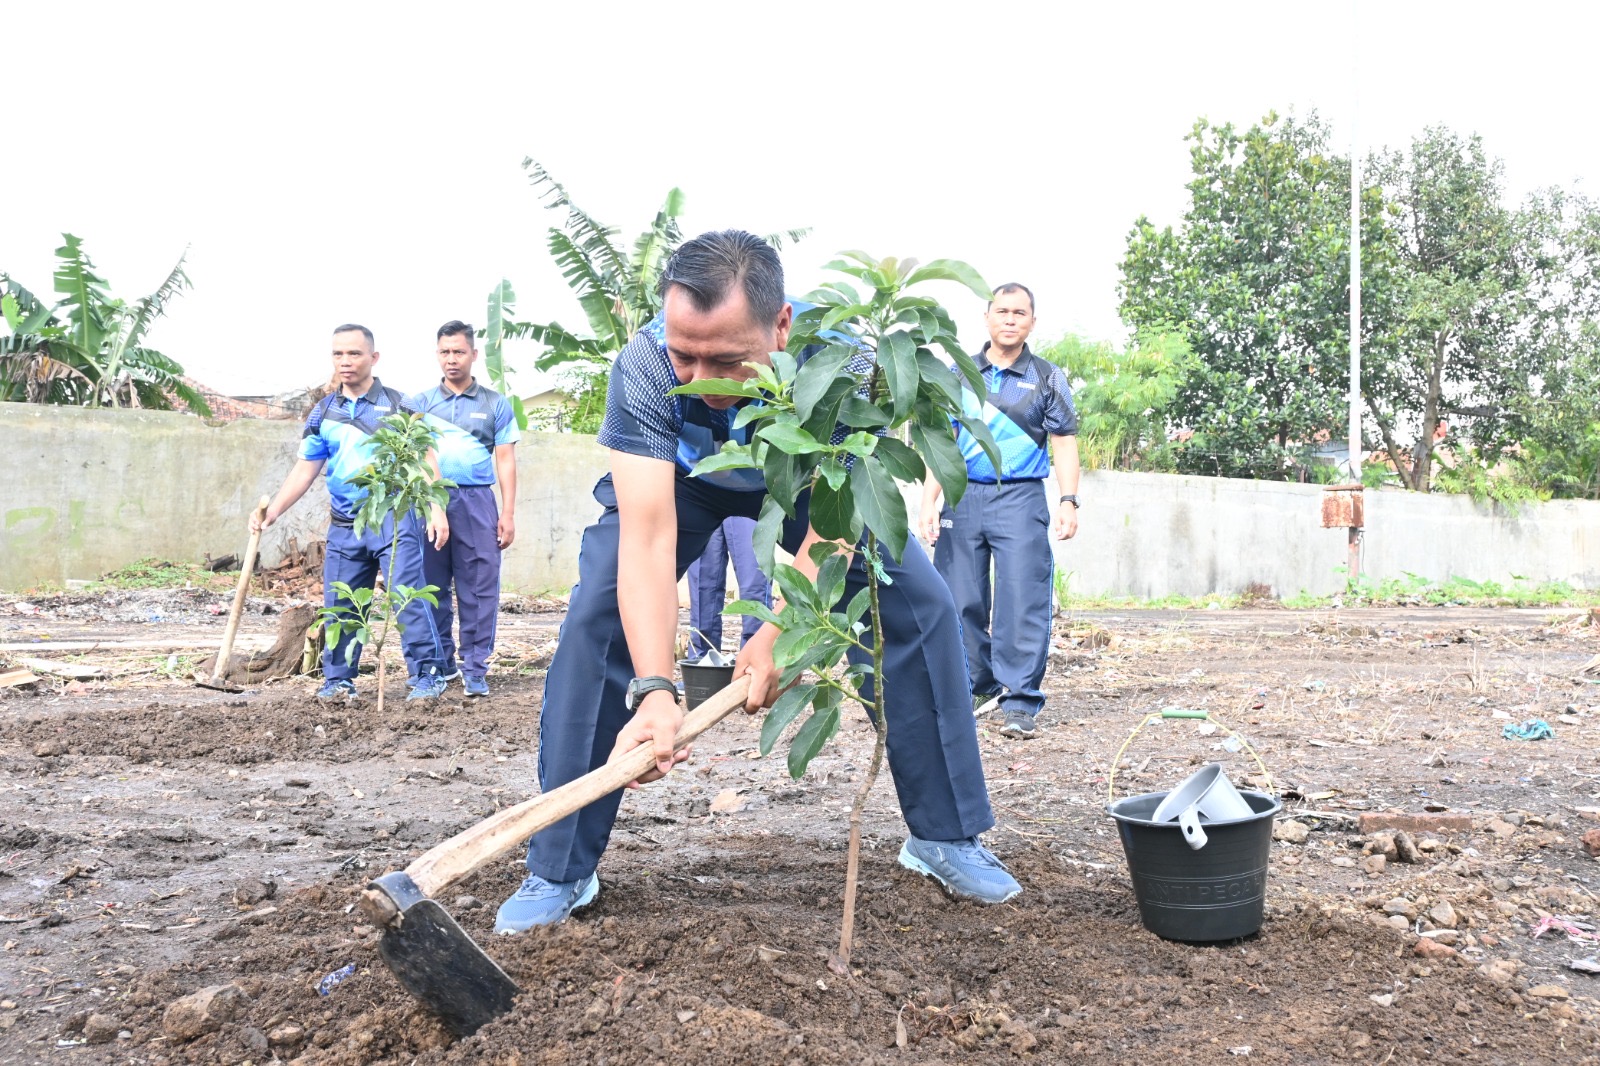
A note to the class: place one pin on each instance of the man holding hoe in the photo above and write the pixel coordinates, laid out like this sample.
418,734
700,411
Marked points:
338,436
610,684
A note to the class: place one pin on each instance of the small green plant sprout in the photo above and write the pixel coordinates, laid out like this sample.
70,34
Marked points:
832,417
399,482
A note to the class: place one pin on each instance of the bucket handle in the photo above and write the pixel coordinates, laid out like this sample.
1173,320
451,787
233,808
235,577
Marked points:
1182,712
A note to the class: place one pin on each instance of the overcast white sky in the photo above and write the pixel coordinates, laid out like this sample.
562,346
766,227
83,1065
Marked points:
339,161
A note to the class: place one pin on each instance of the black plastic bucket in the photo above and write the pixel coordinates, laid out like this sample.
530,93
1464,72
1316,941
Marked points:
700,683
1217,892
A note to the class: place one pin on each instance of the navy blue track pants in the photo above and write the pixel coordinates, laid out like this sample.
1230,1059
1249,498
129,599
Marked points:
356,561
1006,525
933,742
708,584
467,571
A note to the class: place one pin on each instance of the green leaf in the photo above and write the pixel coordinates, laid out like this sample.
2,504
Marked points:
837,315
901,459
753,608
938,379
785,710
859,603
882,507
825,415
817,731
796,641
785,475
980,432
731,457
833,513
796,587
965,364
943,456
790,439
769,530
951,270
830,580
860,414
812,380
897,355
717,387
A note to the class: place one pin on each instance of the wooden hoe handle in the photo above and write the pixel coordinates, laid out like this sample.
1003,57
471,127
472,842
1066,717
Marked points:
226,651
446,863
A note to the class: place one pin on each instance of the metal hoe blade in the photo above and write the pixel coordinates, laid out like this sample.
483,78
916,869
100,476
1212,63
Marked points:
439,963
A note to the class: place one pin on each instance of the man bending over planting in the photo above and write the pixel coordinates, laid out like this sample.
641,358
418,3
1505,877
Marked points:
610,684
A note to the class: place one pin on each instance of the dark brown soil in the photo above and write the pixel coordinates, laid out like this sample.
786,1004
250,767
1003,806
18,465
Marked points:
156,839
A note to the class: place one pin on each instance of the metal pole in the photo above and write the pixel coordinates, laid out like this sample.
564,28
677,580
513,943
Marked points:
1355,292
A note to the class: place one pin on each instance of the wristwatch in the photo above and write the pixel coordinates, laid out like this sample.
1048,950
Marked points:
1072,500
640,687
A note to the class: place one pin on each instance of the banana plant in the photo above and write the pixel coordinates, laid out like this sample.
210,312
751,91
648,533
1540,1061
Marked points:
616,287
89,348
862,368
399,483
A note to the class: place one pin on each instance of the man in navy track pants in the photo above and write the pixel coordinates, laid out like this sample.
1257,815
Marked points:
610,685
338,437
1003,521
477,447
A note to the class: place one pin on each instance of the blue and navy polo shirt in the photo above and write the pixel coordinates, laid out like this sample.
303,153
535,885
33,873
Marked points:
338,434
1024,405
470,425
642,419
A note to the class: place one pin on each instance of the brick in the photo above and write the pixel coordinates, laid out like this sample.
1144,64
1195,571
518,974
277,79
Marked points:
1591,842
1442,822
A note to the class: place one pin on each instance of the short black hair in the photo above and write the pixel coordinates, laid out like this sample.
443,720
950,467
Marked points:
351,327
709,266
1014,286
457,328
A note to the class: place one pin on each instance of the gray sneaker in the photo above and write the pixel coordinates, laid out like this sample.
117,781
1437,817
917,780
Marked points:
1019,724
541,902
965,869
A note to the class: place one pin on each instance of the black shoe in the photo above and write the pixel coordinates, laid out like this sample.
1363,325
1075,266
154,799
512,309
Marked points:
1019,724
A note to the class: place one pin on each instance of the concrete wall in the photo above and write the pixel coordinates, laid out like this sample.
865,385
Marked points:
1152,535
84,492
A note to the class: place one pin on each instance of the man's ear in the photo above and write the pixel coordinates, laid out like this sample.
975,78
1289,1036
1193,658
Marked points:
784,324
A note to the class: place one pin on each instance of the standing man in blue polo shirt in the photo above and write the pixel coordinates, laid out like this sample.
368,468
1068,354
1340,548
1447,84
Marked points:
1003,521
610,685
338,436
477,446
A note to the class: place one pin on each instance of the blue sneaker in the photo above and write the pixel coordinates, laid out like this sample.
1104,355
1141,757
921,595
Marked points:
475,685
541,902
964,868
452,675
337,688
429,687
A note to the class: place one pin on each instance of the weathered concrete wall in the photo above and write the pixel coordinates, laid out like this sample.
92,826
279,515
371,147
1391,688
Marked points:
1152,535
84,492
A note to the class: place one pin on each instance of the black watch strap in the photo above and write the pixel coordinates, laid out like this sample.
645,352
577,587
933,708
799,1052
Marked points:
1070,499
640,687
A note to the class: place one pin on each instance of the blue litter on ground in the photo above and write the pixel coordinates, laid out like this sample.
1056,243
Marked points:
1532,729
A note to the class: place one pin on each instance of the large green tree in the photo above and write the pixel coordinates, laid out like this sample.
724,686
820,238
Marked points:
1256,276
88,349
1124,398
1472,283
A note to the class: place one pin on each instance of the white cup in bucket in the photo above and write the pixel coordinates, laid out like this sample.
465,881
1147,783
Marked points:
1208,793
704,677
